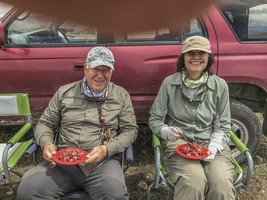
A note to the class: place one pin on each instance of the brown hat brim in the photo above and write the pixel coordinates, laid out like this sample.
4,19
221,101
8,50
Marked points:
197,49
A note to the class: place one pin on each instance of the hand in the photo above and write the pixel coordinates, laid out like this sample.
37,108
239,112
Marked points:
212,153
171,133
97,154
49,149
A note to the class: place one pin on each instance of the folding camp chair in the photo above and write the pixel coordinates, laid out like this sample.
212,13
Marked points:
160,180
14,105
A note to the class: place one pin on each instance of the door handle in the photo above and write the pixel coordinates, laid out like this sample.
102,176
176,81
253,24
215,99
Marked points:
78,65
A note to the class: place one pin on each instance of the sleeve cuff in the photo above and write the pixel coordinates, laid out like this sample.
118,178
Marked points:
43,140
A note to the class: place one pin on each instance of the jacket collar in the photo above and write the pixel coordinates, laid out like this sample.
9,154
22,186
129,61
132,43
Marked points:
110,93
177,80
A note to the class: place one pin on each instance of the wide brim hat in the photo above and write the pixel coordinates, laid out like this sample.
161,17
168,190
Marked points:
196,43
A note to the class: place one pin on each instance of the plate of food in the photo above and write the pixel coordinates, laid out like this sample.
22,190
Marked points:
70,156
192,151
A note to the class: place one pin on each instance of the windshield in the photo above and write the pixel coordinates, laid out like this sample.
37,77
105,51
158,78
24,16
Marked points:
4,8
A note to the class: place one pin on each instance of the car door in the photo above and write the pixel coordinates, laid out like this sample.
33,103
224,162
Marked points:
41,53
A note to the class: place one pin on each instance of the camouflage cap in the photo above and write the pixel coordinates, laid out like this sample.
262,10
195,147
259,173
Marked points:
98,56
196,43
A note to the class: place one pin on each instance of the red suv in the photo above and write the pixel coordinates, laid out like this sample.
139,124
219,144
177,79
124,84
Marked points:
40,53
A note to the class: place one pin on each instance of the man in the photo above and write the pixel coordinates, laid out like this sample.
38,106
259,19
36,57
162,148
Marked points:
92,114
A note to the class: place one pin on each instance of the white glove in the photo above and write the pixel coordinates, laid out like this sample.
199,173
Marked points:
170,133
212,153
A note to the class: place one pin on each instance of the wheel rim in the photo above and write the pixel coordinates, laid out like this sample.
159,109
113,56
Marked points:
242,133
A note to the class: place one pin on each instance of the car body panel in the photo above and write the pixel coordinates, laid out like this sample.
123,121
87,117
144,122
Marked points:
238,60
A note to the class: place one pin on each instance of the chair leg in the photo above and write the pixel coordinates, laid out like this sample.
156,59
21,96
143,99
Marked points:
16,172
163,183
148,190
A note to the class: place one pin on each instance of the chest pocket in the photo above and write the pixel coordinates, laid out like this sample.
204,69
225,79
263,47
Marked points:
73,109
111,113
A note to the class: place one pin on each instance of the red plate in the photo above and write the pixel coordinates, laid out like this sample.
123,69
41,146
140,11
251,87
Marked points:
70,156
181,149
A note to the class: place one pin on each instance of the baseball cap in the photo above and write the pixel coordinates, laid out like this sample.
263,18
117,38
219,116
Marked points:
98,56
196,43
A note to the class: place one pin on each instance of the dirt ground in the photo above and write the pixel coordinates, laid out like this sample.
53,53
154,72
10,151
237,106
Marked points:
141,174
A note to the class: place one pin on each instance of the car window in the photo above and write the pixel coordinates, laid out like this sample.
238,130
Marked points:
257,21
4,8
247,19
175,34
31,29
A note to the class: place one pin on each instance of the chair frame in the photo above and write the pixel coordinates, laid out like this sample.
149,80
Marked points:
161,182
23,110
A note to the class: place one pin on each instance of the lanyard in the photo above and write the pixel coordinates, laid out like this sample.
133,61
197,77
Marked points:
105,134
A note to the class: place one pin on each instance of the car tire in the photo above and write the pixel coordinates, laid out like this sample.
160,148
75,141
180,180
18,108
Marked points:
249,129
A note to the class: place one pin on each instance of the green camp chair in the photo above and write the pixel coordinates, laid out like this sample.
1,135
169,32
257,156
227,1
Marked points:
14,105
160,180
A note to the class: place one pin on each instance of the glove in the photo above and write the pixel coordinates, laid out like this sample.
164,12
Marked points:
170,133
212,153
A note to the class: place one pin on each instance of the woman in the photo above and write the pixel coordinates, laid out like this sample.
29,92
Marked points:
194,103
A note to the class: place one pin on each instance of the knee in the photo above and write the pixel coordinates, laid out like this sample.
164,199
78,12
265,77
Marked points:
187,188
222,186
115,189
24,192
196,180
119,190
193,183
222,189
115,194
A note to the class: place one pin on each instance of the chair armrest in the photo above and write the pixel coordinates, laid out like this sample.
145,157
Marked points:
20,134
238,143
31,150
156,141
127,158
129,154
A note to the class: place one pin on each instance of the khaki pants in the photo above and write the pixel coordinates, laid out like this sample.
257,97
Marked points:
198,180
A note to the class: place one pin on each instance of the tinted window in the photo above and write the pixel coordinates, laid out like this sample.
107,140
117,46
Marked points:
248,19
4,8
168,34
257,22
31,28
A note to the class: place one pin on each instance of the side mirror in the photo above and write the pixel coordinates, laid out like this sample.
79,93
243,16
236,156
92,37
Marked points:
2,35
